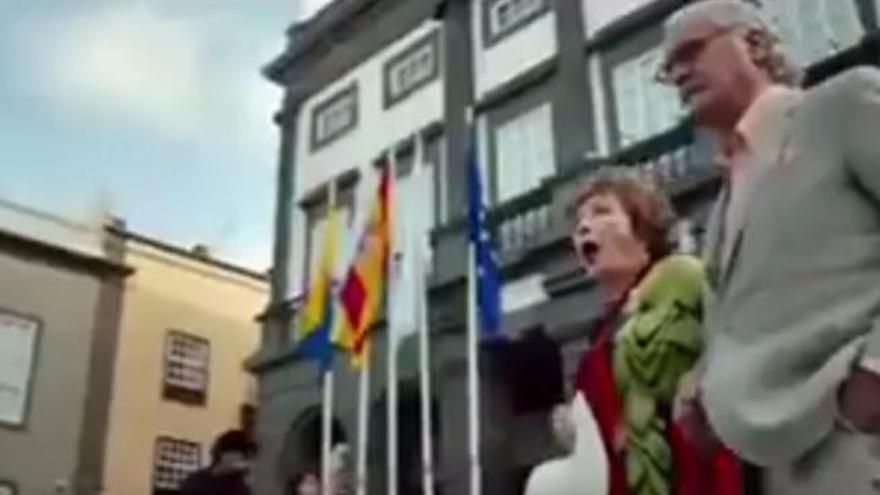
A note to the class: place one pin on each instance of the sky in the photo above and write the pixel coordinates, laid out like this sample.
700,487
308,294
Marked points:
152,110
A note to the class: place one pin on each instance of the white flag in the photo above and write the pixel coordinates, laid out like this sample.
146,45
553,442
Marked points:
408,257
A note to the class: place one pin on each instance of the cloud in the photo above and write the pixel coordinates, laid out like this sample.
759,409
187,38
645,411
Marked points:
122,59
182,83
166,74
308,8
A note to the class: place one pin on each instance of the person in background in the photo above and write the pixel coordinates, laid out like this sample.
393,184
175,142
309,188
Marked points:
650,337
306,483
791,378
230,465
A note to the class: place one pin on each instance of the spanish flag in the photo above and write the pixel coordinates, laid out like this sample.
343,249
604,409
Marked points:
362,293
316,320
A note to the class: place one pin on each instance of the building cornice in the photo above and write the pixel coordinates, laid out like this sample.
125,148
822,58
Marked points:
342,36
335,23
190,255
99,265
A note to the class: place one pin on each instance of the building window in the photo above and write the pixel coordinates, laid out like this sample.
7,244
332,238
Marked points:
643,106
412,69
334,117
815,29
503,17
174,461
524,153
186,368
18,347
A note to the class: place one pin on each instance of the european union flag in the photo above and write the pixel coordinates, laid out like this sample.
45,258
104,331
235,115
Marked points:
488,275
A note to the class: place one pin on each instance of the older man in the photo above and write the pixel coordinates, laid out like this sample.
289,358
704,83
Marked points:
791,377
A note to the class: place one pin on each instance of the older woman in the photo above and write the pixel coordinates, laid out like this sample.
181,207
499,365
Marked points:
647,341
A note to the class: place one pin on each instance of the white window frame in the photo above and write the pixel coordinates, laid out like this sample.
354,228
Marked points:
643,106
175,387
412,68
519,13
834,25
521,169
412,71
19,340
170,477
335,117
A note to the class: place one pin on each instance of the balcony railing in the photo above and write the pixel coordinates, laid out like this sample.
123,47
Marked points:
535,219
522,222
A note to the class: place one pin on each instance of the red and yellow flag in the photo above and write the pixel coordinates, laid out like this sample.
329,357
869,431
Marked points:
362,293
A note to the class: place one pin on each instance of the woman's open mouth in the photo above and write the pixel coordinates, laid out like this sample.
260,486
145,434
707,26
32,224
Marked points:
590,250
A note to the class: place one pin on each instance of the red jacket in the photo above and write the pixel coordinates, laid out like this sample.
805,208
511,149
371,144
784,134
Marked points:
718,475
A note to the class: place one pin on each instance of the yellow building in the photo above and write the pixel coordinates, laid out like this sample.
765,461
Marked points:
188,324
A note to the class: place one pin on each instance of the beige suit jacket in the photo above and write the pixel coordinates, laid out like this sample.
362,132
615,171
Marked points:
794,300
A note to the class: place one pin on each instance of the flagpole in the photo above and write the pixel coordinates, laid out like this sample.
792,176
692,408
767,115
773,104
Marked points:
392,396
363,423
327,402
424,336
327,432
473,368
473,377
425,378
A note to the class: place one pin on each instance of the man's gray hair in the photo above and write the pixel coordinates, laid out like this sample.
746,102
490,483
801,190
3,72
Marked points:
735,14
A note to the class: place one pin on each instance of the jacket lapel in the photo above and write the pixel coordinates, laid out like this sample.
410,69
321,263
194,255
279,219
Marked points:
714,240
772,149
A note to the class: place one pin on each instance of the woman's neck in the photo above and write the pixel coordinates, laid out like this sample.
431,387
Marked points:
617,284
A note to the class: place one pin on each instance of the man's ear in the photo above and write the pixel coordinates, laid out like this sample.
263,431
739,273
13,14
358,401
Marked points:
760,47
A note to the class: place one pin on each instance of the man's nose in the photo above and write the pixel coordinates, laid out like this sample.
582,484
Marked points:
678,74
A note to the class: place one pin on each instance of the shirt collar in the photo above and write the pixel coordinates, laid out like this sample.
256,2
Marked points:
758,123
766,109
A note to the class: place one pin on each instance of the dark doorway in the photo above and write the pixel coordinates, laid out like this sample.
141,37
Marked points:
301,451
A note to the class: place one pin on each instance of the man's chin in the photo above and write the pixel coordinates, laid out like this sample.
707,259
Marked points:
707,115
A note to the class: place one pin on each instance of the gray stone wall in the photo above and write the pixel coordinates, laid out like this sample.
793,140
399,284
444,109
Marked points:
41,456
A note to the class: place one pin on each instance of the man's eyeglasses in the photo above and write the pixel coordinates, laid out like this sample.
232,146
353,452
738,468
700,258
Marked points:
685,54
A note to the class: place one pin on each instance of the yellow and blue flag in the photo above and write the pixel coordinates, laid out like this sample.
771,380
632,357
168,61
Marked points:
316,319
